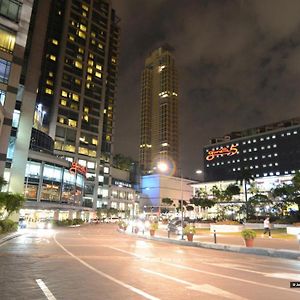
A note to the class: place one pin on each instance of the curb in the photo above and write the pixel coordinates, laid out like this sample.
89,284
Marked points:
9,237
278,253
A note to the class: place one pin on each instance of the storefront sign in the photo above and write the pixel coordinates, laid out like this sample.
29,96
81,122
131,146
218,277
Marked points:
76,167
229,151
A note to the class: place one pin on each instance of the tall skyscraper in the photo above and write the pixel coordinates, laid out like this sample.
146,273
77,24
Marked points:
75,99
159,110
14,24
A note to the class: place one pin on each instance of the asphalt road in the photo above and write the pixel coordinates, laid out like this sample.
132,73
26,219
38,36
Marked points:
97,262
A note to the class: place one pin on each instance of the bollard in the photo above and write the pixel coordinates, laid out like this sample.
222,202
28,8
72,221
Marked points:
215,237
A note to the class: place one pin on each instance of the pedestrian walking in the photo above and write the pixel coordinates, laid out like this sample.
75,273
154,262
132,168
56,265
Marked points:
267,227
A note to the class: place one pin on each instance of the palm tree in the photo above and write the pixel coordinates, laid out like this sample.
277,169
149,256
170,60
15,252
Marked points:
245,178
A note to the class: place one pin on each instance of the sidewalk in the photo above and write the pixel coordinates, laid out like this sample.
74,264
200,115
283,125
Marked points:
274,247
8,236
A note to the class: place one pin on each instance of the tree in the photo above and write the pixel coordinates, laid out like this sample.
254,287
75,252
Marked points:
122,162
245,178
289,193
10,202
167,201
201,199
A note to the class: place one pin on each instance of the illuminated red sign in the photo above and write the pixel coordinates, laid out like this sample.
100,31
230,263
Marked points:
76,167
229,151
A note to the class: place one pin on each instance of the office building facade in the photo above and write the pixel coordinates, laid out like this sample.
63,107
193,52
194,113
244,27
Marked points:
74,98
159,110
270,150
14,25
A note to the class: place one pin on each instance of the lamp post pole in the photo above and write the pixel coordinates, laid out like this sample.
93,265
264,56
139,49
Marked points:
181,189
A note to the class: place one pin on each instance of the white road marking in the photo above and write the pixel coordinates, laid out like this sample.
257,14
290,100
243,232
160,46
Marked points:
211,273
203,288
290,276
45,289
119,282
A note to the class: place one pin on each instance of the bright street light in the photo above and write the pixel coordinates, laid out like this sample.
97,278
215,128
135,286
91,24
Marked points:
162,166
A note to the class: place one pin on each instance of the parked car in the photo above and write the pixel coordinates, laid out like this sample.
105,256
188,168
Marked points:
176,226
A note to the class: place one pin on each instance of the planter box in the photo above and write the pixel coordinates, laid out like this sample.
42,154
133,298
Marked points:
293,230
202,225
261,225
226,228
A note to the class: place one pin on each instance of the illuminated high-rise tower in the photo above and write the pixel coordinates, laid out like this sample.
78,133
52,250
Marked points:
159,110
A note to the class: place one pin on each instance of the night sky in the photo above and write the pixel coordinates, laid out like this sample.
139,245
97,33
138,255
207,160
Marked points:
238,63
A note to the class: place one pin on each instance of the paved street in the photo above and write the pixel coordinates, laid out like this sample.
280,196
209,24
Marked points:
97,262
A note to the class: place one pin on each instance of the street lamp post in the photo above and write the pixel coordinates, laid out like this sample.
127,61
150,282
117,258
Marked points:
181,188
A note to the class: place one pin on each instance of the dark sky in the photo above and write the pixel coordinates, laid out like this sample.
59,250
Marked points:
238,63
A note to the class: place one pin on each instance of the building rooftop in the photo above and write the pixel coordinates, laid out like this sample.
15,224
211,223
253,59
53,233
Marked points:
256,130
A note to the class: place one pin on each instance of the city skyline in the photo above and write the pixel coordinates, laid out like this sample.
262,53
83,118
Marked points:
237,62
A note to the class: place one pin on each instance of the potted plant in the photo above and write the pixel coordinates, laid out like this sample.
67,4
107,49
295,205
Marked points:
122,225
248,236
189,231
153,228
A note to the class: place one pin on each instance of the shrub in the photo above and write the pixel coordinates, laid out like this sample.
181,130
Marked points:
8,226
77,221
189,229
122,224
248,234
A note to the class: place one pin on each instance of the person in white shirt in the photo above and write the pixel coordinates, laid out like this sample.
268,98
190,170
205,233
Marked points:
267,227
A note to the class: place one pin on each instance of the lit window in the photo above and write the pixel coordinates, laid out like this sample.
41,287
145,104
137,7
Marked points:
113,60
80,50
89,78
2,97
288,133
69,148
50,74
93,34
77,81
98,74
108,138
61,120
82,27
86,118
63,102
75,97
86,109
7,40
78,64
49,82
82,162
273,136
71,38
54,41
98,67
91,55
100,178
94,141
90,70
91,165
92,153
64,93
81,34
83,150
90,62
72,123
267,138
52,57
100,46
85,7
48,91
106,170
